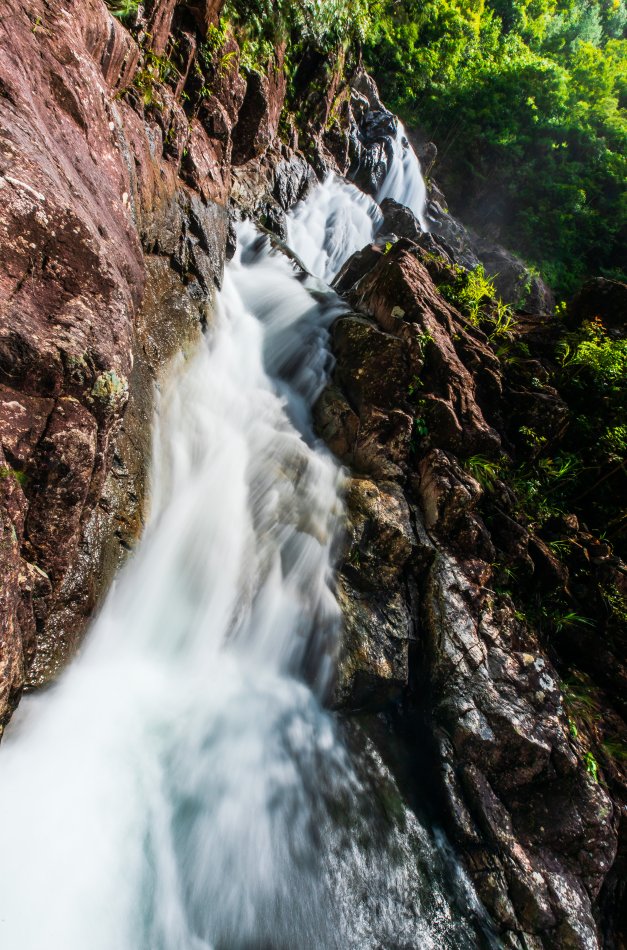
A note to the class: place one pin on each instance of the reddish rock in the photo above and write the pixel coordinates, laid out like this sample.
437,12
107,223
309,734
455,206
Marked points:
401,296
159,23
84,179
537,831
258,120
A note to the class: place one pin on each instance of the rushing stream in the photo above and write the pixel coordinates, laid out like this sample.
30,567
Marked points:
182,787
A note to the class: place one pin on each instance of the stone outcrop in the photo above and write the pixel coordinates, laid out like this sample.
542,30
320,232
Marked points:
416,391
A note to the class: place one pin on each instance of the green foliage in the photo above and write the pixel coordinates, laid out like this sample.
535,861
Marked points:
415,386
322,24
474,294
486,471
570,619
591,350
471,292
543,486
154,70
617,603
7,472
526,101
125,10
503,320
593,380
420,427
422,341
591,764
615,749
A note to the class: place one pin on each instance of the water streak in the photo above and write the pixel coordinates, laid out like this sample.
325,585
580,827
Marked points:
326,231
404,182
341,219
182,788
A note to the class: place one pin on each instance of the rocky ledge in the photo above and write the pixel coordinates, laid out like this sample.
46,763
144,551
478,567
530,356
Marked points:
439,633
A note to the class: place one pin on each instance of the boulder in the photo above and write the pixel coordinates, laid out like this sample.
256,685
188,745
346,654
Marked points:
515,283
400,296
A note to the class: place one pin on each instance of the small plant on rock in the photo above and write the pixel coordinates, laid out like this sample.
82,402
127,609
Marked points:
125,10
486,471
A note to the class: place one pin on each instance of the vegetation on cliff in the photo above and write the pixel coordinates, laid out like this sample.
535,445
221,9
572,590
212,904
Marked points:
526,102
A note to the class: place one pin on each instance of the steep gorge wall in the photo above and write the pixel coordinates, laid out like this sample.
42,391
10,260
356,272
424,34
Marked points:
106,259
121,156
120,153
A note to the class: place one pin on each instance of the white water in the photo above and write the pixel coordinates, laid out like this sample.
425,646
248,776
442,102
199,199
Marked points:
327,231
404,182
182,788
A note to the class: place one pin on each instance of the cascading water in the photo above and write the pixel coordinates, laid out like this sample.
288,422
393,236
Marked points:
404,182
182,788
325,232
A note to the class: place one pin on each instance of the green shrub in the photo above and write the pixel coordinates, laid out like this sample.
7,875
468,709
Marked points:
526,103
125,10
591,350
319,23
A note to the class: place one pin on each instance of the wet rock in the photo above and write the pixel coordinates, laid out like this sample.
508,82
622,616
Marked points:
427,153
449,497
258,120
374,442
16,628
399,220
160,13
204,13
373,151
66,463
503,714
357,266
449,229
85,179
367,87
373,664
381,535
515,283
400,295
293,180
537,831
372,366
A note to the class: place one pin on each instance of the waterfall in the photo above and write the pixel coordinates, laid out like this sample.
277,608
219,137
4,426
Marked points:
326,232
404,182
182,786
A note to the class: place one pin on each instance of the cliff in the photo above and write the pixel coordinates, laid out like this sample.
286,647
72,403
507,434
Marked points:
126,154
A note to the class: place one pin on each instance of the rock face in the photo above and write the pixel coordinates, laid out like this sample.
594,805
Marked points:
119,155
417,390
514,282
113,237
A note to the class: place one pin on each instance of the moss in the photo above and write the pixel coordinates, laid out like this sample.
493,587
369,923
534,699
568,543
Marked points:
110,389
7,472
